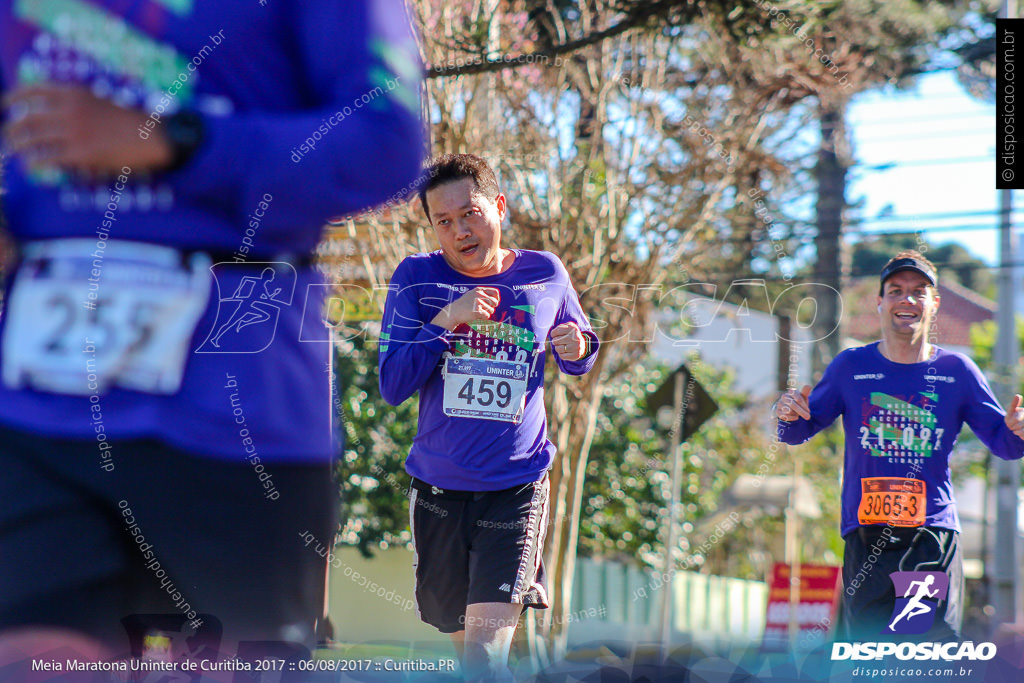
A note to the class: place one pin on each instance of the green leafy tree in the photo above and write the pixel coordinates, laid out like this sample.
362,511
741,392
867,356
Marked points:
371,472
983,344
628,486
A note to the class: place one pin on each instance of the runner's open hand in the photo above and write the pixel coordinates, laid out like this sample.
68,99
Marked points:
476,304
793,405
70,128
1015,417
568,341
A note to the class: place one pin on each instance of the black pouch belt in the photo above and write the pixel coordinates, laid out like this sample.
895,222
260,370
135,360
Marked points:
895,537
449,494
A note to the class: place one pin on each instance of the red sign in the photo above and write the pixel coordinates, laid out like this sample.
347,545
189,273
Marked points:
816,607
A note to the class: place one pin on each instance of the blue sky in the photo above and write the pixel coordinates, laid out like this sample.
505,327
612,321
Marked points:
942,144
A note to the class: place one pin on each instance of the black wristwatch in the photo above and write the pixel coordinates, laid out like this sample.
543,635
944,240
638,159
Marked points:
185,133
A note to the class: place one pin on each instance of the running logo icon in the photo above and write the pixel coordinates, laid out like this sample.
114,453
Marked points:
247,317
917,597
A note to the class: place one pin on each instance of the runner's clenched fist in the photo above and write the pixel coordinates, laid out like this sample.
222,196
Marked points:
476,304
568,342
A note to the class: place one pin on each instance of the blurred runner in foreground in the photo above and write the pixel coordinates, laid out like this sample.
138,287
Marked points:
164,433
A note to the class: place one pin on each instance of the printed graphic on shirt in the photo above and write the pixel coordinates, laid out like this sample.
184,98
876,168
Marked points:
487,368
502,339
900,427
82,43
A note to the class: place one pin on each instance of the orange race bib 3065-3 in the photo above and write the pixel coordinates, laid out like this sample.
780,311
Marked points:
892,500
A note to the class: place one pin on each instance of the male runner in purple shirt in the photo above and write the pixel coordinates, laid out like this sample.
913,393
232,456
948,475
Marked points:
160,454
470,327
903,401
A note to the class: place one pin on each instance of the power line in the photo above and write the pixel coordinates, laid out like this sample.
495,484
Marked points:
930,229
797,278
987,133
930,216
918,119
762,235
889,165
761,238
969,227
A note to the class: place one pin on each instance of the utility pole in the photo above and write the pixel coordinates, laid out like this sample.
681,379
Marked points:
1006,596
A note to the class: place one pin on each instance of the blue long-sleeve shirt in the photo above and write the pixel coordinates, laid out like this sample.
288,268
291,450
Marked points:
902,421
470,435
310,111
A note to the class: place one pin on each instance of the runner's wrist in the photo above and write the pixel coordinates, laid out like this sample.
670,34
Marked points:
183,134
588,346
444,319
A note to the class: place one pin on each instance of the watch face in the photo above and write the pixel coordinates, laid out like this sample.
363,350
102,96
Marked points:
185,128
184,132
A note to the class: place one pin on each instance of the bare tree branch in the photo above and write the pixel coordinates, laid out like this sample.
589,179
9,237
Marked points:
640,16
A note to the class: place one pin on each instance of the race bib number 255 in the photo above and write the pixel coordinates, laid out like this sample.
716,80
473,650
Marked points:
80,321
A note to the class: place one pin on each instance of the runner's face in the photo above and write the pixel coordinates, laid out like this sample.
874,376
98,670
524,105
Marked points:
468,226
908,304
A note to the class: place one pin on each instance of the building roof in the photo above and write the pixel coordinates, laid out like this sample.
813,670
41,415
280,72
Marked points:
960,308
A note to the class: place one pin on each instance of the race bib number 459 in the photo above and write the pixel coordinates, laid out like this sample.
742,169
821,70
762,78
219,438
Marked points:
485,388
80,321
892,500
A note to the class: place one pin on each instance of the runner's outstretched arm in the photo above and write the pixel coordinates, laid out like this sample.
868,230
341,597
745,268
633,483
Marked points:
825,404
987,419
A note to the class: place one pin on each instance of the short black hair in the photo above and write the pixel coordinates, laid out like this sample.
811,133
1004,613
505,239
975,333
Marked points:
447,168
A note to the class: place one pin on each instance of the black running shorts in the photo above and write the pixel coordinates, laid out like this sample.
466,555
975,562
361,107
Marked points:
476,547
162,533
869,598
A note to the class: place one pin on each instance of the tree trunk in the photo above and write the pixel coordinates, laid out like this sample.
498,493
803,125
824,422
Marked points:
833,160
576,419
